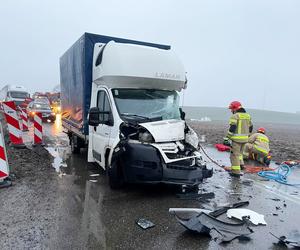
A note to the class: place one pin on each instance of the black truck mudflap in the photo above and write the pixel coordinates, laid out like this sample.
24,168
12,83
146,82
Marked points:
143,163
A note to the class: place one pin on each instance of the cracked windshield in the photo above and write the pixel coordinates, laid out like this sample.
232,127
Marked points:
149,103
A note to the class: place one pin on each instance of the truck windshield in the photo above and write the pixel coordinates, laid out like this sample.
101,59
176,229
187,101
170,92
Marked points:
147,104
17,94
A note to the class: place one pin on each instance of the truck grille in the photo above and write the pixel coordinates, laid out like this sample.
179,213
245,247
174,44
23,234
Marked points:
145,164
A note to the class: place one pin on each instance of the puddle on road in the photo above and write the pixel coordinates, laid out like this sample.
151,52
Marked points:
60,154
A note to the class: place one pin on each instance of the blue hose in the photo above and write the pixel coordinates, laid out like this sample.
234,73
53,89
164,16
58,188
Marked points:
283,171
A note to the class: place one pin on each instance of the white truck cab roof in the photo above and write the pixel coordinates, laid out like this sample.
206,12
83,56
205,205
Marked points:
119,65
16,88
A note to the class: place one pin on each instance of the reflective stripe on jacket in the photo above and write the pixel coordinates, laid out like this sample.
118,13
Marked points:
243,124
260,142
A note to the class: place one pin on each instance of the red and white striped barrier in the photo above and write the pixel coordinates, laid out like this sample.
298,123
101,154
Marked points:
4,169
24,117
38,129
12,119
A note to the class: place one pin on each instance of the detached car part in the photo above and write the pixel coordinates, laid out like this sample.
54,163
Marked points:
293,239
219,211
217,229
144,223
240,213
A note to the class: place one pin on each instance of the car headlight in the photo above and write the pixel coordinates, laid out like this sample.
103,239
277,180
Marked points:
145,137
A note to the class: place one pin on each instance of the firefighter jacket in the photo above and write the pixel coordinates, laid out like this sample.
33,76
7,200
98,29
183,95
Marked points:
240,126
260,142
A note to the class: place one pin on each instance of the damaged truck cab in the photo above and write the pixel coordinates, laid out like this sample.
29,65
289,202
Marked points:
135,128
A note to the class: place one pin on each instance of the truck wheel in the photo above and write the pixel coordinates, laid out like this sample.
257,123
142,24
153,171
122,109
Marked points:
75,144
115,176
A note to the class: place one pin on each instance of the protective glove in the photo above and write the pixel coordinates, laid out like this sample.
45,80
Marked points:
226,141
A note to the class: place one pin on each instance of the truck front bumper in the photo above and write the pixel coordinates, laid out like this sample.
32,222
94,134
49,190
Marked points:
143,163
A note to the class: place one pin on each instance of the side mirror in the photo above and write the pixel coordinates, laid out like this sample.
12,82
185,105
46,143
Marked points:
106,118
97,117
182,114
94,117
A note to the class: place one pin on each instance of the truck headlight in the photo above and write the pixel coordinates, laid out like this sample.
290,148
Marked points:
145,137
199,159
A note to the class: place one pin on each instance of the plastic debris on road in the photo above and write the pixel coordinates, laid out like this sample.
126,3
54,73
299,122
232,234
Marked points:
219,230
240,213
224,209
293,239
189,210
219,211
144,223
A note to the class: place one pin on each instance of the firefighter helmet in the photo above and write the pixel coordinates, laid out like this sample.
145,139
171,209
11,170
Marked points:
235,105
261,130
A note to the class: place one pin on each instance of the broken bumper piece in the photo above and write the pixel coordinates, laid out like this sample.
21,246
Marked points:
293,239
218,230
143,163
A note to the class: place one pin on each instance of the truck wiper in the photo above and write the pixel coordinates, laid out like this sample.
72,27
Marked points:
151,119
137,116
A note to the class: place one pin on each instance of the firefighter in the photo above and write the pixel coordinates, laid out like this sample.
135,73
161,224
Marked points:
240,127
258,147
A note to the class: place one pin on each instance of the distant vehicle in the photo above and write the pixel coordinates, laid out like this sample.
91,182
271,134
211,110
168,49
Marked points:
18,94
38,94
51,98
123,105
41,107
54,99
42,99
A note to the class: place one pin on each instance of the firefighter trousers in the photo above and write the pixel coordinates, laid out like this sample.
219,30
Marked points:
236,155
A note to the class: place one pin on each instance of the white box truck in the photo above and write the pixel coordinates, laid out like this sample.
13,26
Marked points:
15,93
120,99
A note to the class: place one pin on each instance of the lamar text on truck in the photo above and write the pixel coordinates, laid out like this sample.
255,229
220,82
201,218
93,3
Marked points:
120,98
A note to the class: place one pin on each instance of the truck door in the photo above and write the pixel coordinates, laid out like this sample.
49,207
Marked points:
101,134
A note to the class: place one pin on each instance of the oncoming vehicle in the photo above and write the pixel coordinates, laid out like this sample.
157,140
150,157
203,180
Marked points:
40,107
18,94
123,105
42,99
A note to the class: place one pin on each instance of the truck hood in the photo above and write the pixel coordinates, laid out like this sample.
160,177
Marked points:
165,131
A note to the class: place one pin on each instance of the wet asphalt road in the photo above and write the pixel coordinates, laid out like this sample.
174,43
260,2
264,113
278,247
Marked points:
80,211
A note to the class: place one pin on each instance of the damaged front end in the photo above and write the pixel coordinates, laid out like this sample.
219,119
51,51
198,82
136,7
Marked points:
167,154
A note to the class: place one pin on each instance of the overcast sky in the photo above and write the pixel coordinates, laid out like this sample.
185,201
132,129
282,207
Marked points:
247,50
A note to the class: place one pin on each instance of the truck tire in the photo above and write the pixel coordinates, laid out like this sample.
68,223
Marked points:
115,176
75,144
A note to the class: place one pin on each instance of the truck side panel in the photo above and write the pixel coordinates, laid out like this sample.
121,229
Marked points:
72,85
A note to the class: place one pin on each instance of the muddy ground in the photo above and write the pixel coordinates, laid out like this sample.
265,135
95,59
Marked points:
284,138
70,206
